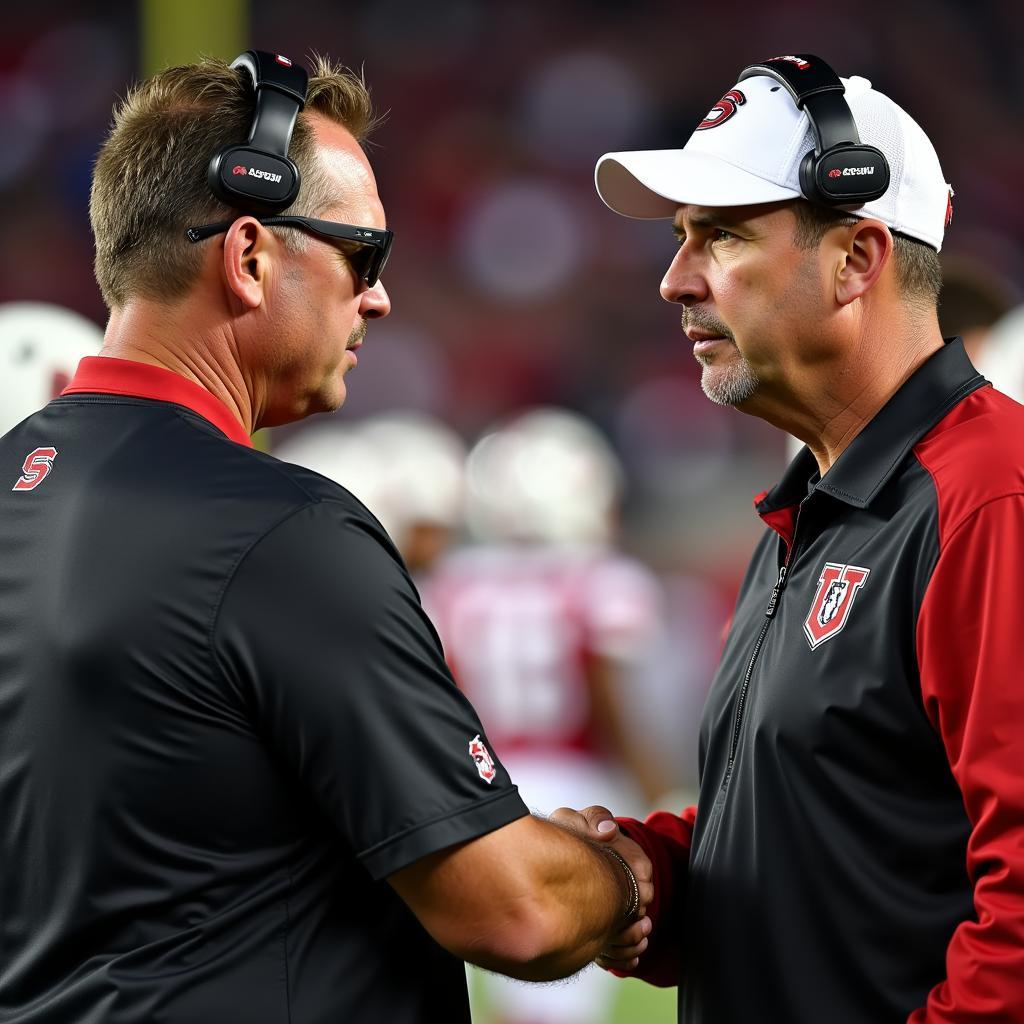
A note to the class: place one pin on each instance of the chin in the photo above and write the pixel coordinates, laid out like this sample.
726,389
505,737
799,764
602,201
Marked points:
733,384
327,399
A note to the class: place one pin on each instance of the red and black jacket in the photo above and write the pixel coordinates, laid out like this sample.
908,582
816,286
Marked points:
857,853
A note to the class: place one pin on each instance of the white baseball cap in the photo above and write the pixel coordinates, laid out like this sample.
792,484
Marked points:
749,148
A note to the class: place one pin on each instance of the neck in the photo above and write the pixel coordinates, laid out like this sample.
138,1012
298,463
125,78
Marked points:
169,337
832,402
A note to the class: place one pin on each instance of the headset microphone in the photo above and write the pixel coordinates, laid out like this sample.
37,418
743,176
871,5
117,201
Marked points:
257,175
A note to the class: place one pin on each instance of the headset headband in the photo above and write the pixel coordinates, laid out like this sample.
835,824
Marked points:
841,171
258,175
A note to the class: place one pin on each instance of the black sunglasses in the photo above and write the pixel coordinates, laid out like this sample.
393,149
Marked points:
366,249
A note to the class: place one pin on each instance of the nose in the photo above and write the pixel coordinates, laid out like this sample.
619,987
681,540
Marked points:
683,282
375,302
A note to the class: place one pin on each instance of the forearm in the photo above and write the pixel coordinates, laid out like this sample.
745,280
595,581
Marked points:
572,897
530,899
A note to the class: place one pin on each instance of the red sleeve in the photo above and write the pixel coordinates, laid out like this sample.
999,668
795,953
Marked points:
666,839
970,638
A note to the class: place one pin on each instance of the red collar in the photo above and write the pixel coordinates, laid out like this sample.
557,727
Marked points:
110,376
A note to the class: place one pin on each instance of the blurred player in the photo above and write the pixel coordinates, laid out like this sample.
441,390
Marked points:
407,468
1002,359
973,300
40,346
542,624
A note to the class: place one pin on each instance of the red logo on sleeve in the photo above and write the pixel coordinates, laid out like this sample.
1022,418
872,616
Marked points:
838,587
484,762
35,469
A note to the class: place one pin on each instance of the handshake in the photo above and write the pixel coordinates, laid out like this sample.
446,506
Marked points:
537,899
622,950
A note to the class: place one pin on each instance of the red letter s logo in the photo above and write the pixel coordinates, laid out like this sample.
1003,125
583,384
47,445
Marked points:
722,110
35,469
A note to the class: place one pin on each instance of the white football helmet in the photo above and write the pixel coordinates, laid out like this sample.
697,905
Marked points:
40,346
423,470
338,452
548,475
407,468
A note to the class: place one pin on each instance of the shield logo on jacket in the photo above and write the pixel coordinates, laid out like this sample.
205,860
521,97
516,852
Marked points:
838,587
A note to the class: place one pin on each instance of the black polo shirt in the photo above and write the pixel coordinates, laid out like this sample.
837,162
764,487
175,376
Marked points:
224,721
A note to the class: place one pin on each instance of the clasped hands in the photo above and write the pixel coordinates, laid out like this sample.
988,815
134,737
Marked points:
623,950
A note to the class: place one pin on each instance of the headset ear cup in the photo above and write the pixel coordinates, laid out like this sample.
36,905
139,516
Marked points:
213,175
257,175
293,192
808,184
253,180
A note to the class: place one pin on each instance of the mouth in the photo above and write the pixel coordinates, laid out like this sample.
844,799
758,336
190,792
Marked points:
699,334
704,340
350,351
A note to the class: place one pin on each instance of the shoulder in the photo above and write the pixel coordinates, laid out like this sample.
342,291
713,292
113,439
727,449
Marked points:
974,455
268,481
243,494
310,484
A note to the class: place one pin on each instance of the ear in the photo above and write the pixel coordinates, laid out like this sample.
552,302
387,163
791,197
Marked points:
248,254
867,251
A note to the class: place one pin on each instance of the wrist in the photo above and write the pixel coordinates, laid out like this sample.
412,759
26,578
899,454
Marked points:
632,906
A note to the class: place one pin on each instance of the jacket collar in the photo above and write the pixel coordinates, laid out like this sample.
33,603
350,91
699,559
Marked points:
863,469
108,376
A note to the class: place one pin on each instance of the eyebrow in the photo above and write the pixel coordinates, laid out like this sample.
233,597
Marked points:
715,217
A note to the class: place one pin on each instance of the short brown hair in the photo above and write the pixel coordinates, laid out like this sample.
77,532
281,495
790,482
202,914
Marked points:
149,183
918,270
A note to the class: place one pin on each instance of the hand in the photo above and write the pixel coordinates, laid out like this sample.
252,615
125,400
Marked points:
622,952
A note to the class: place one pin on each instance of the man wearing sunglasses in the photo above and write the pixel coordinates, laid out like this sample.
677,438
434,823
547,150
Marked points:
238,781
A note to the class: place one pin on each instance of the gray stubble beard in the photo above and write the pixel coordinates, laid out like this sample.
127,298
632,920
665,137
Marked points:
728,385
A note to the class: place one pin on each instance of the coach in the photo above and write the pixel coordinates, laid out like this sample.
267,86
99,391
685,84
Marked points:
857,852
237,781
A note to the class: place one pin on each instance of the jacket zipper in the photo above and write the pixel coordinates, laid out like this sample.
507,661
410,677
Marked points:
773,603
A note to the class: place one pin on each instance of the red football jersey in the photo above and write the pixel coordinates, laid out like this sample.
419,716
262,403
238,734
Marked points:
519,625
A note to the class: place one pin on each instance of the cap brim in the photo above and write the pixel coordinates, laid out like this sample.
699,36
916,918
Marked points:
650,184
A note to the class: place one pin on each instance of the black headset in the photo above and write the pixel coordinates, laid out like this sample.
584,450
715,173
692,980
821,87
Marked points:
840,170
257,175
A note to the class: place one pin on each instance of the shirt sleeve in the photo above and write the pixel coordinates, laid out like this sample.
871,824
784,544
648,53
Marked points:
666,839
321,633
969,653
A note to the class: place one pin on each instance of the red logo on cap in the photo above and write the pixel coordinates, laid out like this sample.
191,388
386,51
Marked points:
239,169
722,110
949,208
283,60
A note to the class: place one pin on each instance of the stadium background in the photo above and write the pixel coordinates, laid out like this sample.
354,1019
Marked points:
512,284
